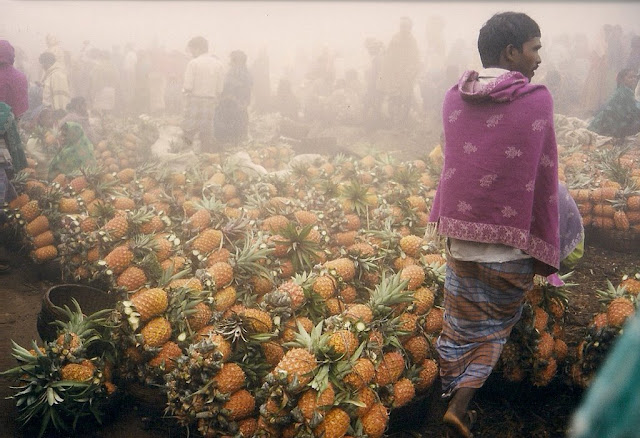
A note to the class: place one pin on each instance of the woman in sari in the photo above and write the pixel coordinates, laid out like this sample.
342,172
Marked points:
12,159
620,117
76,151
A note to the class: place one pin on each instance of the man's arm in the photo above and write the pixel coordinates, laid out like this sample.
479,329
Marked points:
189,76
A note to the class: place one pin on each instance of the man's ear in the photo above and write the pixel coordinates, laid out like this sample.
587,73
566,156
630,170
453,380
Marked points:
510,53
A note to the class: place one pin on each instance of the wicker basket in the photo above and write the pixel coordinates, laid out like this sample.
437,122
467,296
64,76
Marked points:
615,240
89,298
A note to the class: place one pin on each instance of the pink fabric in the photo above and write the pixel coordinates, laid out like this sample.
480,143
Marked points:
499,181
13,83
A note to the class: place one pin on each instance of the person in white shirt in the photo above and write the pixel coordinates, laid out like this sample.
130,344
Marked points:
202,85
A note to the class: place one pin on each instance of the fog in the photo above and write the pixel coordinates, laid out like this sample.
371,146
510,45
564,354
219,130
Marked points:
287,28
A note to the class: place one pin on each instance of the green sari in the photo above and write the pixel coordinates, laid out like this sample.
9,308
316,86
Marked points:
9,133
75,153
620,117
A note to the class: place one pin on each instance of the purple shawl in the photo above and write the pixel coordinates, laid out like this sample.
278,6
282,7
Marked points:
13,83
499,181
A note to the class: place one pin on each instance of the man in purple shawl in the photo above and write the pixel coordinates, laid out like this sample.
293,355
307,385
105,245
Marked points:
13,83
497,203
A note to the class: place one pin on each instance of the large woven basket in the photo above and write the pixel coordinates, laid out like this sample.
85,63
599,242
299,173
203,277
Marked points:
89,298
615,240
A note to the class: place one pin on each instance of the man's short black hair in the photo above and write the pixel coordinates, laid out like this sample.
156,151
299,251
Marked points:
199,43
47,58
515,28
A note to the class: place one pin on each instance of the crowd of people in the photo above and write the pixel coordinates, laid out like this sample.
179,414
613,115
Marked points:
501,211
402,84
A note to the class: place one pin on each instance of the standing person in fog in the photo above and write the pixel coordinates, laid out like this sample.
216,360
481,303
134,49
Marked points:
13,83
55,85
203,81
400,72
231,120
497,203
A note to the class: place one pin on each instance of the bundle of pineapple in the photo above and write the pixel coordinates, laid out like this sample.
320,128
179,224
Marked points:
256,255
618,304
33,216
125,143
536,349
605,185
69,378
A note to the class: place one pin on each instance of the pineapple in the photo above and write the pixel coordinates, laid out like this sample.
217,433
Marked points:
415,276
230,378
132,278
311,401
343,267
427,375
240,405
200,317
37,226
156,332
361,374
119,259
620,305
411,245
45,253
390,368
78,372
403,392
206,241
343,342
417,348
298,363
167,356
334,425
374,422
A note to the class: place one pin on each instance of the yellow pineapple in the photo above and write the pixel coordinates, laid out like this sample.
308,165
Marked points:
230,378
132,278
390,368
334,425
343,342
156,332
77,372
374,422
403,392
361,374
298,363
167,356
240,405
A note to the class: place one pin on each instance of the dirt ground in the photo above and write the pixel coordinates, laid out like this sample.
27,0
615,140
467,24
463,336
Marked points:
505,410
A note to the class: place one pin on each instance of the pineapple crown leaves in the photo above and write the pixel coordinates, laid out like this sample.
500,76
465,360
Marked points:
169,274
314,341
213,205
612,292
356,195
28,361
247,260
390,291
86,327
301,250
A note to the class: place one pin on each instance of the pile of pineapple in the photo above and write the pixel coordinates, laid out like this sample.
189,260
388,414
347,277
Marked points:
292,303
605,183
282,305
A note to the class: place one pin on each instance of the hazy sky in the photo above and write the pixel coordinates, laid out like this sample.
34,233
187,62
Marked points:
283,27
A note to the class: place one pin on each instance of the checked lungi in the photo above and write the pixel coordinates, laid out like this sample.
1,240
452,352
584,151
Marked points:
198,119
482,302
